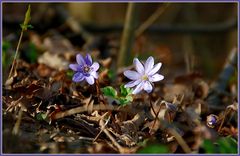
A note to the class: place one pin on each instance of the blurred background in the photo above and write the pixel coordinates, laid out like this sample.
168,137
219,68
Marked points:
186,37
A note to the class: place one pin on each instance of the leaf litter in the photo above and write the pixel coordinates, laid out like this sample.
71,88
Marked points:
49,113
71,115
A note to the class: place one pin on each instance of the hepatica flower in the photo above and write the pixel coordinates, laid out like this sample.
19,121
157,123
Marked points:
144,76
212,120
85,69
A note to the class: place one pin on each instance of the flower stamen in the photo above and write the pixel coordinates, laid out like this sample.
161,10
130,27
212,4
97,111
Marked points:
86,69
144,77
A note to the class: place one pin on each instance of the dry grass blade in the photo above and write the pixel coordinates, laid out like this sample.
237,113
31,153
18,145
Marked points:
15,130
14,104
121,149
83,109
180,140
102,128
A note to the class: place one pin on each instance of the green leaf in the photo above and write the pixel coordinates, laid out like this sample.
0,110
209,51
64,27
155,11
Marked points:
111,74
5,59
5,45
27,19
29,26
227,145
222,145
154,148
70,73
125,91
41,116
143,143
208,146
109,91
31,53
125,100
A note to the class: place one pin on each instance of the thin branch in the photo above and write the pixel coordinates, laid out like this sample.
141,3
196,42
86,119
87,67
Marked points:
151,19
128,34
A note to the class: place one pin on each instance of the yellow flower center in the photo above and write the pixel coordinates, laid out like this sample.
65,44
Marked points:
144,77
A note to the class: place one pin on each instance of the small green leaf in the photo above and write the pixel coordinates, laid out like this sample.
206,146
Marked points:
143,143
6,60
111,74
208,146
125,100
27,19
5,45
125,91
222,145
41,116
29,26
153,149
129,98
70,73
109,91
122,101
227,145
31,53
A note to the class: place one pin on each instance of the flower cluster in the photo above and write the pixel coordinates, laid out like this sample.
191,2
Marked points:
141,79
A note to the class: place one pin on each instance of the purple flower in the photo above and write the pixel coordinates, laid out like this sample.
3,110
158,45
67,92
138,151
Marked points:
212,120
85,69
144,76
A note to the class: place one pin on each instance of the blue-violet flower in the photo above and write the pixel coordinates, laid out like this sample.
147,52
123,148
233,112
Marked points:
145,75
212,120
85,69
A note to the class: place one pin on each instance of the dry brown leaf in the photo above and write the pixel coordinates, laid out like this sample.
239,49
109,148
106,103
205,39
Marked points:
58,63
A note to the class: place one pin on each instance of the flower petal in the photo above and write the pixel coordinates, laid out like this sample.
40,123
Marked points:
88,60
94,74
132,83
155,68
77,77
132,75
147,86
95,66
139,88
74,67
90,80
139,66
156,77
80,59
149,64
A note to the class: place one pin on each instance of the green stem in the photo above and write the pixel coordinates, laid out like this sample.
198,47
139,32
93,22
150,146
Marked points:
15,56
